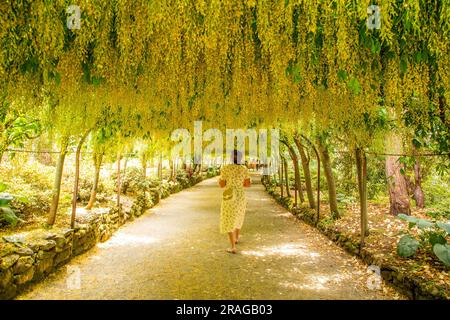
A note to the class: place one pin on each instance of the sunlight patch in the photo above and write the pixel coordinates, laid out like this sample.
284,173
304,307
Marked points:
124,239
289,249
315,282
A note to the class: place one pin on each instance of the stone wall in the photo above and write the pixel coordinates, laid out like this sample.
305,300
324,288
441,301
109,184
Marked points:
29,257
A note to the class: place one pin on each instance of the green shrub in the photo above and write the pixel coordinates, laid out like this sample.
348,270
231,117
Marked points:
104,190
439,215
432,235
407,246
437,192
183,178
7,214
212,172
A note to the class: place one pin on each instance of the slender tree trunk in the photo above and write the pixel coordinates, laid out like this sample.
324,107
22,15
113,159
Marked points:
361,170
57,182
144,166
119,182
418,192
2,152
98,157
286,177
160,167
280,174
306,172
298,182
318,176
332,198
77,179
398,189
172,170
3,144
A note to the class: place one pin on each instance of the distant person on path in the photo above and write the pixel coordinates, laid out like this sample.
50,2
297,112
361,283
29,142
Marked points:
233,177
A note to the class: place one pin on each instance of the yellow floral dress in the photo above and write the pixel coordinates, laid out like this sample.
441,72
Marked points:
233,207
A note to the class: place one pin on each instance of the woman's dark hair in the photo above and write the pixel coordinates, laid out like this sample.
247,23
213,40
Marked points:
237,157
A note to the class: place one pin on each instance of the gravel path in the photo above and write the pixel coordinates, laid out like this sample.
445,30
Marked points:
175,251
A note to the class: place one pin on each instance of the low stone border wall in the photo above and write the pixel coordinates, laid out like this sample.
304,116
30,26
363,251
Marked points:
29,257
410,285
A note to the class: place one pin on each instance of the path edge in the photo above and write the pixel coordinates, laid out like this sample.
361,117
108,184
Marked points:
406,283
24,262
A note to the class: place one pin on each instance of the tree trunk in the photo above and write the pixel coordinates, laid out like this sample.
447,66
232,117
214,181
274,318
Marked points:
3,144
98,157
77,179
144,165
298,182
119,182
286,177
57,183
398,189
418,192
160,167
361,170
306,172
172,170
318,176
2,152
332,198
280,174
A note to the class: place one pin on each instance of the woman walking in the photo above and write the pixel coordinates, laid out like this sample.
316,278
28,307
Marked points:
233,177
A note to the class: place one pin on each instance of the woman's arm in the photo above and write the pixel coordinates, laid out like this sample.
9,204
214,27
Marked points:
222,180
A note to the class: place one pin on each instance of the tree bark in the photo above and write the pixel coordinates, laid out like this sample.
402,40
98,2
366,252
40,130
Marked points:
318,176
2,152
144,165
98,157
361,170
332,198
119,182
57,182
306,172
160,167
77,179
298,182
280,174
286,178
419,196
398,189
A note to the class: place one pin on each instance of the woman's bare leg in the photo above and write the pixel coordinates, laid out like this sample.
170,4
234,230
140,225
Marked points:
236,234
231,236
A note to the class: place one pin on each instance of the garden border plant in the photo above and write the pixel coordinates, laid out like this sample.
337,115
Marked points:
405,282
27,259
432,235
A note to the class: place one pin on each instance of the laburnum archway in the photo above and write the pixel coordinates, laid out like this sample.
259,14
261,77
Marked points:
134,71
